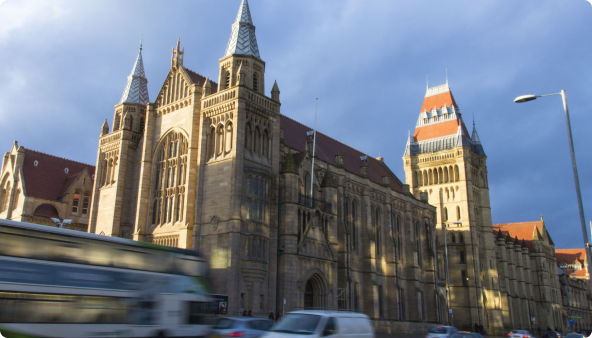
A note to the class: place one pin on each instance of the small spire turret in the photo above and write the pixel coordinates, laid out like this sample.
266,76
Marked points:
105,128
275,92
207,87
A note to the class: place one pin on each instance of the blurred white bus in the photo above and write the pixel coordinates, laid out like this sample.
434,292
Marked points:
64,283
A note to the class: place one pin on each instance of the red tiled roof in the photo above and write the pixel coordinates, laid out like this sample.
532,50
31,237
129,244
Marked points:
46,210
437,101
523,230
49,180
327,148
570,256
200,80
440,129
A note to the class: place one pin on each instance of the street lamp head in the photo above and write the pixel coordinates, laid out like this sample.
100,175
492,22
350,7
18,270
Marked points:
525,98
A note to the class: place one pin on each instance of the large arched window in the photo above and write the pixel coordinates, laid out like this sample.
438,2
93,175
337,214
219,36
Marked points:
169,179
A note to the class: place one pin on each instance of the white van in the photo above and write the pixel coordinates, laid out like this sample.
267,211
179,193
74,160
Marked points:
313,324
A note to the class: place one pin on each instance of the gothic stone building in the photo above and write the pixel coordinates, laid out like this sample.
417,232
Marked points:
528,279
447,167
218,168
36,187
574,278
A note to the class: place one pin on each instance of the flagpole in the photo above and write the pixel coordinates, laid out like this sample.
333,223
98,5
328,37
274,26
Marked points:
314,141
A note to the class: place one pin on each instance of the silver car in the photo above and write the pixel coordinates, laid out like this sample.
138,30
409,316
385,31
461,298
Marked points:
520,334
441,331
240,327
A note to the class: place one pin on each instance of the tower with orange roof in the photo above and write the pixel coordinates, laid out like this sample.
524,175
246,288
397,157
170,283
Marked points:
446,167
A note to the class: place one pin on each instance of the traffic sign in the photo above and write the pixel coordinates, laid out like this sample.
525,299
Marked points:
571,322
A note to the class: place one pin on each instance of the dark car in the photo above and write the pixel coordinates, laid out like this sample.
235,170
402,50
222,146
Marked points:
552,334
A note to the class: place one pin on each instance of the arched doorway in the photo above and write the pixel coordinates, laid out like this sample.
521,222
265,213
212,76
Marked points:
308,296
315,294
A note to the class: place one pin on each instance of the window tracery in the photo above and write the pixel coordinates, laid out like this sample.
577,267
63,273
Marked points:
255,247
257,198
169,180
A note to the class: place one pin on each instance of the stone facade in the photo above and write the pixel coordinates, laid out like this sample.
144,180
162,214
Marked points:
528,275
217,168
36,187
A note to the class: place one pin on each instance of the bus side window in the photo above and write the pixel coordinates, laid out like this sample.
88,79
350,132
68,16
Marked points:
197,312
15,245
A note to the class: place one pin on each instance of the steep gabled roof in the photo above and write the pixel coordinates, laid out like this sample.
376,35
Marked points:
526,231
200,80
327,148
48,179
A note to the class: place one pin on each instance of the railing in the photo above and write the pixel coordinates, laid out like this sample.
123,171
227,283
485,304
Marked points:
314,202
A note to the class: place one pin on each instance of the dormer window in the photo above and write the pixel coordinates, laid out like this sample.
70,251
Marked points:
425,121
446,116
75,202
435,118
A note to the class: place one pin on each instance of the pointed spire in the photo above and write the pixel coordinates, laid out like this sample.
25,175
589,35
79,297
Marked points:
243,40
207,87
275,92
105,128
475,136
136,89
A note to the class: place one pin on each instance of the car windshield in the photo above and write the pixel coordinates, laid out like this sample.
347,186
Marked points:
297,323
224,323
437,329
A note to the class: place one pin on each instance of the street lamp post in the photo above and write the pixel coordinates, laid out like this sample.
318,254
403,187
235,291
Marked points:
526,98
450,315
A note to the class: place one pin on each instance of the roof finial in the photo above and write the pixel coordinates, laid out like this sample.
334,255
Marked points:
141,39
473,120
446,75
427,82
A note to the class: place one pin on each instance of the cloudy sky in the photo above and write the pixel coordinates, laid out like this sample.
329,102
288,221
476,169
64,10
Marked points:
64,64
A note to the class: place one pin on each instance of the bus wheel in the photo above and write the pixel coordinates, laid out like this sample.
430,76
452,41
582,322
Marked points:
160,334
